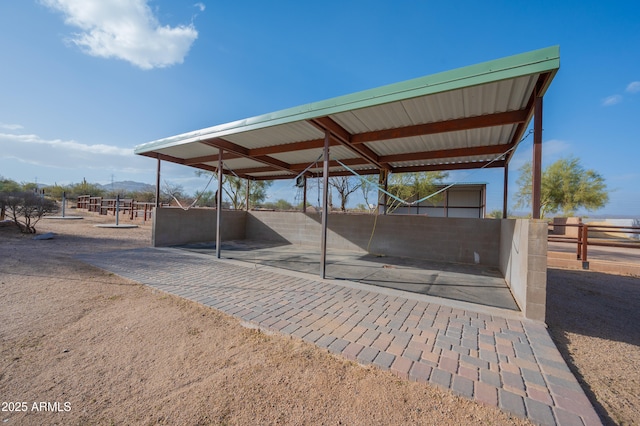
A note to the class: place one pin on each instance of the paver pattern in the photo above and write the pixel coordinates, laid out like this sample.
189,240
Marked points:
505,362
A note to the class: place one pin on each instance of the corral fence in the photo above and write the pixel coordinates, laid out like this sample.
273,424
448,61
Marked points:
125,206
585,235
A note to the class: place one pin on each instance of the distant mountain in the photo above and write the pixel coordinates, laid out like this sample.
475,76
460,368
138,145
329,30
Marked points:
128,186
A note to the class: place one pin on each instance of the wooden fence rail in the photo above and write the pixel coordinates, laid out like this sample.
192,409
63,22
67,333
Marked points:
583,240
127,206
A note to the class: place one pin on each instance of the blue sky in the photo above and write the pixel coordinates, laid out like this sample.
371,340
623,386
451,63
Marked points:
84,81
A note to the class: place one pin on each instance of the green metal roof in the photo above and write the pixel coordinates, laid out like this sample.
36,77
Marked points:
527,74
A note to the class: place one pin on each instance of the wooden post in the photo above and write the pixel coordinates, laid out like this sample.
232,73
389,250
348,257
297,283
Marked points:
325,206
579,253
219,204
117,211
537,159
585,243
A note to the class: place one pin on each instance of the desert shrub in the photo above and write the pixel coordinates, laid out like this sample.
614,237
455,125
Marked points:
26,208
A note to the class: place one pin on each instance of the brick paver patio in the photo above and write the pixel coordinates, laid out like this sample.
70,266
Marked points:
504,361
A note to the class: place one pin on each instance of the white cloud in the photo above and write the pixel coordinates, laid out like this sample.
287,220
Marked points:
62,159
71,148
633,87
554,149
125,29
200,6
10,126
612,100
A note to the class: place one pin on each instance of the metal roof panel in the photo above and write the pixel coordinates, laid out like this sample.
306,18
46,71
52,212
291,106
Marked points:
530,63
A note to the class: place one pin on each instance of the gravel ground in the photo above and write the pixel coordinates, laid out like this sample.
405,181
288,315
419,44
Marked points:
116,352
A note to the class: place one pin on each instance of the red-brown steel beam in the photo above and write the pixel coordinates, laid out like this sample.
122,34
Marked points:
294,146
543,80
209,158
163,157
244,152
417,156
344,137
511,117
468,123
410,169
446,153
451,166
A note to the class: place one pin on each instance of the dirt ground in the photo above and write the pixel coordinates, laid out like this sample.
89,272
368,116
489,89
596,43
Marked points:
89,347
594,319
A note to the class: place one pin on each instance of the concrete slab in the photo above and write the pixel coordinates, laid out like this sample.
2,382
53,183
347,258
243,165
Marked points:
468,283
64,217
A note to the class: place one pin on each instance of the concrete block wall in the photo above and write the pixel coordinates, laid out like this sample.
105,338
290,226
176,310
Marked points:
173,226
523,262
517,247
458,240
441,239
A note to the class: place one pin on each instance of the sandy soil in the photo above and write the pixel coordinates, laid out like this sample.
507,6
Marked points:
100,349
594,318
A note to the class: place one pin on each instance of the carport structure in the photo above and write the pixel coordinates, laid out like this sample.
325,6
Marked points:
467,118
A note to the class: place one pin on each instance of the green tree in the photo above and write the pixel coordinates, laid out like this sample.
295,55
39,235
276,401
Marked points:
280,204
495,214
413,186
206,198
56,191
566,186
235,189
85,188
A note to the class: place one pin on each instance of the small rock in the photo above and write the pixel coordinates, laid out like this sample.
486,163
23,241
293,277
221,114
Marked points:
46,236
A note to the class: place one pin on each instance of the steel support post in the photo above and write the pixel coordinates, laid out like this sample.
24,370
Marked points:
158,184
304,195
219,203
248,194
537,160
382,197
325,206
505,195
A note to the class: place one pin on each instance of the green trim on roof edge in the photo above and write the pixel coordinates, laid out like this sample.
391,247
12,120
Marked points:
534,62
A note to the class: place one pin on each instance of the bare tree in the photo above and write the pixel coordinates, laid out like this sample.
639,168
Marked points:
345,186
369,184
26,208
